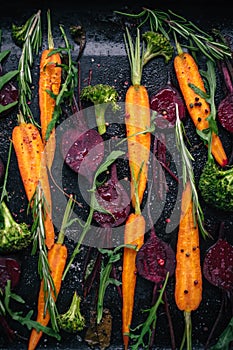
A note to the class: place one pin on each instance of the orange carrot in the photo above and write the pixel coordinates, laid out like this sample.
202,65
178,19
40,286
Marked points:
57,257
134,234
29,149
188,286
187,72
137,120
49,80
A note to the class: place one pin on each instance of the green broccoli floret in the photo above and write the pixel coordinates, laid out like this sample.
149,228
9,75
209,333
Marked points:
216,186
101,95
13,236
72,320
157,45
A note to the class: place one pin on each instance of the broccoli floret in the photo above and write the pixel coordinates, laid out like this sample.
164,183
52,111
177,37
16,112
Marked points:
72,320
13,236
157,45
216,186
101,96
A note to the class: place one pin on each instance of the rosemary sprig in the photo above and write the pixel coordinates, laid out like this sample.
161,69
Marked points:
187,171
38,231
170,23
29,36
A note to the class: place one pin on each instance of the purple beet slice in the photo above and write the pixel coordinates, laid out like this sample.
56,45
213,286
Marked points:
154,259
218,265
9,270
164,102
225,107
82,151
225,113
113,197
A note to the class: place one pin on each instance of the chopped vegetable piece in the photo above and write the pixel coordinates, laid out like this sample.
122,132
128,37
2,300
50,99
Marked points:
72,320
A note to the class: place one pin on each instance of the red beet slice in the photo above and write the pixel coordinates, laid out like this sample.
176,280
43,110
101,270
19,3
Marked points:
154,259
82,148
218,265
225,112
225,107
9,270
164,102
113,197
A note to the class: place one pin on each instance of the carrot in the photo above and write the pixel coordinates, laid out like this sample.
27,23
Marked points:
188,275
49,80
137,120
187,72
134,234
57,257
29,149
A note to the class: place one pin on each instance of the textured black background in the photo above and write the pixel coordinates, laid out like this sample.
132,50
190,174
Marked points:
105,56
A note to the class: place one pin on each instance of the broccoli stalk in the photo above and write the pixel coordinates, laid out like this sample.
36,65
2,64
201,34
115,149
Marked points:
13,236
72,320
101,96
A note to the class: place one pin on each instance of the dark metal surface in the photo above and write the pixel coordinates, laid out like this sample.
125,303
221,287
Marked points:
105,56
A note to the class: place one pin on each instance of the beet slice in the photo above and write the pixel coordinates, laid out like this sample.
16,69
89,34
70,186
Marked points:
154,259
218,265
82,148
9,270
225,107
113,197
164,102
8,94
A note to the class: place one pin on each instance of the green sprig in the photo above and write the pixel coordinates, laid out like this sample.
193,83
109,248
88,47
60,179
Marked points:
188,173
93,206
171,23
18,316
145,328
29,36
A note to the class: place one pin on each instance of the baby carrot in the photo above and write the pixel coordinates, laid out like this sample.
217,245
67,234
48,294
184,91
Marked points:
49,81
187,72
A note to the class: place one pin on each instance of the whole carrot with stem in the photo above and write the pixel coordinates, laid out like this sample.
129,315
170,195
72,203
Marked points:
188,74
51,283
49,87
188,274
137,106
29,150
137,121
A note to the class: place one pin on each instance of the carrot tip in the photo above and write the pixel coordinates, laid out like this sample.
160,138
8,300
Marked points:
224,162
126,341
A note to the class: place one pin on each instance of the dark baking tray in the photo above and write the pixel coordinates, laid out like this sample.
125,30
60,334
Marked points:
105,55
